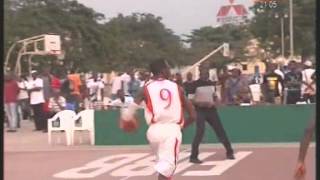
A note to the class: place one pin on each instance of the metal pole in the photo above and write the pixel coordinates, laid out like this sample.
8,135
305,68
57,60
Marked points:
291,29
282,37
8,56
30,64
204,58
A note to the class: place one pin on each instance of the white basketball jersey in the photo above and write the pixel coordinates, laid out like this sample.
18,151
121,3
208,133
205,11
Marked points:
163,102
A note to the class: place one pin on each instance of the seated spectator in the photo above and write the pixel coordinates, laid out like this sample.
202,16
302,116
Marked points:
122,100
57,102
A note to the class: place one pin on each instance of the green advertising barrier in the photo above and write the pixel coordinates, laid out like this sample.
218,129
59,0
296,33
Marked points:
246,124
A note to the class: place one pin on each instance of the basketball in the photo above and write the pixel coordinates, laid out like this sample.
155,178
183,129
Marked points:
129,125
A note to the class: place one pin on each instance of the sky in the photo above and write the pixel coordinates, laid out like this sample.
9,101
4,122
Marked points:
181,16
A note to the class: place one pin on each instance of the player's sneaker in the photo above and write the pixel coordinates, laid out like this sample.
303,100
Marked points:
230,156
195,160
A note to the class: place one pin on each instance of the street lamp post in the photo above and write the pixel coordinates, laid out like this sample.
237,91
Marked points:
291,29
282,31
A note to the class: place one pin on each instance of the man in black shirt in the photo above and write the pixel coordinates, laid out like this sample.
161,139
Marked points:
271,81
187,85
207,112
292,81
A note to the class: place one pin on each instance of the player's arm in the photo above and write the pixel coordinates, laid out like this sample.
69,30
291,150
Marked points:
187,104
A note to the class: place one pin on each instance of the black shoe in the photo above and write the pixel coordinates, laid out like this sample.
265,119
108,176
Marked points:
11,130
195,160
230,156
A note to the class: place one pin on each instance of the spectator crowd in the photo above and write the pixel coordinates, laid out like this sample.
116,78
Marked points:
42,94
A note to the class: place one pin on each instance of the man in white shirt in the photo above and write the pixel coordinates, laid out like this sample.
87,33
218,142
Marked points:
96,91
308,87
122,100
23,99
125,79
35,88
116,85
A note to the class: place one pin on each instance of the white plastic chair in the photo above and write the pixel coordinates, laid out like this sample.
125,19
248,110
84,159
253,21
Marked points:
63,121
84,120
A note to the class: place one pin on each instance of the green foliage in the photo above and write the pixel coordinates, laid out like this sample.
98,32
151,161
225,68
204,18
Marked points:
267,27
94,44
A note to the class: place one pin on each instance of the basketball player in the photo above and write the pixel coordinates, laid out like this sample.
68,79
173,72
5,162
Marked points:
165,103
300,170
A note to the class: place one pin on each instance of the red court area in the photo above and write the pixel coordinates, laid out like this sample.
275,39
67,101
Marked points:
135,163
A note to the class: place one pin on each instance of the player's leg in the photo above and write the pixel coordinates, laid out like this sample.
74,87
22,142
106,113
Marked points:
168,156
200,128
168,146
214,121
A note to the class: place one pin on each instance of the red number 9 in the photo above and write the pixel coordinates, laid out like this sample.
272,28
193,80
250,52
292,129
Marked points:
165,95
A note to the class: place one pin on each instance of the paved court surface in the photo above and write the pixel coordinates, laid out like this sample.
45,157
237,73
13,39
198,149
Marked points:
28,156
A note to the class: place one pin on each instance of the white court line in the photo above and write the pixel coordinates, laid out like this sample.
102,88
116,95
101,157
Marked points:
138,147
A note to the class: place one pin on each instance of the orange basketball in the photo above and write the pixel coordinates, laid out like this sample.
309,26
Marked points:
129,125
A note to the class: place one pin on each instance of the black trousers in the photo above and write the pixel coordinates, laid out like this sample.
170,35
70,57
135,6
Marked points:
293,97
211,116
39,116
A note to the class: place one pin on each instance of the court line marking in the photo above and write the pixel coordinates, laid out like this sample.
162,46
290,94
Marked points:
139,147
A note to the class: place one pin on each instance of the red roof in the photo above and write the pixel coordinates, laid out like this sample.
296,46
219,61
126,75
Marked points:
240,10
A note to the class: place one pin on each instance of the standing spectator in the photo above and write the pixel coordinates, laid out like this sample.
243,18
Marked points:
222,77
11,92
271,82
116,85
133,85
46,78
308,88
35,88
47,91
178,79
236,88
125,79
187,85
144,77
257,77
57,102
23,99
292,82
207,112
96,91
75,86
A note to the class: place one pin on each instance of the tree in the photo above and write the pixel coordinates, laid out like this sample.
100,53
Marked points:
140,38
266,27
78,26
